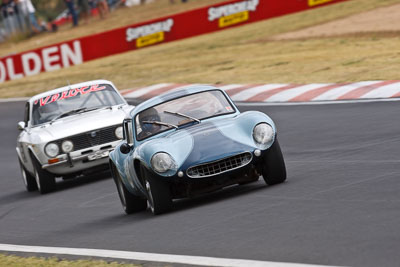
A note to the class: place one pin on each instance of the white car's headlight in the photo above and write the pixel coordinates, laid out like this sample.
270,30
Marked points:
52,150
67,146
263,133
118,133
162,162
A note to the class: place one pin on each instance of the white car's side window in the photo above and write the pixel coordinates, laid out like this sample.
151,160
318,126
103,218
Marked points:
26,115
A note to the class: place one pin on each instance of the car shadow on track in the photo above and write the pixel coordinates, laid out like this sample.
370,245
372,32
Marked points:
14,197
82,180
217,196
120,220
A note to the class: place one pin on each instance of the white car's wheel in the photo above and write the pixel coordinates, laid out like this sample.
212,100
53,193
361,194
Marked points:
28,179
45,181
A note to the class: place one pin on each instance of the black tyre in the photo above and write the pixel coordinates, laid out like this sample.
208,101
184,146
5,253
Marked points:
274,169
28,179
158,193
130,202
45,181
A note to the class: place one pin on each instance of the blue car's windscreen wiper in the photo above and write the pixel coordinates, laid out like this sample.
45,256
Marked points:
161,123
182,115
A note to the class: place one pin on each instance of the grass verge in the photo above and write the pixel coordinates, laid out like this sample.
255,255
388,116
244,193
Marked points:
16,261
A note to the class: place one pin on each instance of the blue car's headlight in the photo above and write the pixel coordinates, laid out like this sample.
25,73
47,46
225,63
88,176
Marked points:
263,134
162,162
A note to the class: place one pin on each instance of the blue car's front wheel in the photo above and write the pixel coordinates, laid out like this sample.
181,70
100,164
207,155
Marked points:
274,169
158,193
130,202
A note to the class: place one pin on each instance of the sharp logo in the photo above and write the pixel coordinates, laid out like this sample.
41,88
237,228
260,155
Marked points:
232,9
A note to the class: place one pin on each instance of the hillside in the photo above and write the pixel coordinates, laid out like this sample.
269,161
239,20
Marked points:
381,21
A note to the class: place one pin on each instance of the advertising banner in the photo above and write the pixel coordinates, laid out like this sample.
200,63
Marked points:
170,28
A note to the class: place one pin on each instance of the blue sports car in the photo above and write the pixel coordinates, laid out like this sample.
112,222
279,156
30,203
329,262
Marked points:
189,142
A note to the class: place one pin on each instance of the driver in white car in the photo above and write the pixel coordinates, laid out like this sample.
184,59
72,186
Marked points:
47,112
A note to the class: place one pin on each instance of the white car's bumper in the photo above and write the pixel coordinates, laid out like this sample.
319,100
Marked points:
77,161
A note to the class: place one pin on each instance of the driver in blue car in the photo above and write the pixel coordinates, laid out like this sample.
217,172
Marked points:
145,119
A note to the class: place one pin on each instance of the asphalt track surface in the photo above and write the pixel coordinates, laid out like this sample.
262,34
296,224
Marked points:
339,206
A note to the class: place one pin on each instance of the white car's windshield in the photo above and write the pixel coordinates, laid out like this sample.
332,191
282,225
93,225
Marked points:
184,110
74,101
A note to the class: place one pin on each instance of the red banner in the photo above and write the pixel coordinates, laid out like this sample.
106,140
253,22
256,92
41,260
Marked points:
175,27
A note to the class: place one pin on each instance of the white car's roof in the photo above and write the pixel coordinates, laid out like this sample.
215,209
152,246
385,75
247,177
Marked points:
72,86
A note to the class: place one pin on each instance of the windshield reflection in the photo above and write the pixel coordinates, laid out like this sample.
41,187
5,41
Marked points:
74,101
175,113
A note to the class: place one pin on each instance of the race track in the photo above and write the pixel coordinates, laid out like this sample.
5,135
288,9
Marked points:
339,206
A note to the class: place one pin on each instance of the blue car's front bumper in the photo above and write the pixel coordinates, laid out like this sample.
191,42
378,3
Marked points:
186,186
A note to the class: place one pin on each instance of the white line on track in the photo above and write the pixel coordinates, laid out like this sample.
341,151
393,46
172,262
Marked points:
230,86
246,94
329,102
384,91
293,92
151,257
146,90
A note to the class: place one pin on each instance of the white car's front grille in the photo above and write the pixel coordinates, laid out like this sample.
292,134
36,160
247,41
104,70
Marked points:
220,166
92,138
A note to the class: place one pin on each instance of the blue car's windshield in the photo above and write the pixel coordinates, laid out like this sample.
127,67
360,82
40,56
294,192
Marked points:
174,113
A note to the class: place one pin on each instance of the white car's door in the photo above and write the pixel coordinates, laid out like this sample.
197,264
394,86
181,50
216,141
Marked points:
23,142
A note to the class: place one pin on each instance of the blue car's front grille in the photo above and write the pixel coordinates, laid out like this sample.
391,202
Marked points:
220,166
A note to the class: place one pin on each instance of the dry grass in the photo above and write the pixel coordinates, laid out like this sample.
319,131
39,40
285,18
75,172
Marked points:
243,55
15,261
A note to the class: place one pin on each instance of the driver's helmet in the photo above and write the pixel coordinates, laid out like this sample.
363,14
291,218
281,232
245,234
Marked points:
150,114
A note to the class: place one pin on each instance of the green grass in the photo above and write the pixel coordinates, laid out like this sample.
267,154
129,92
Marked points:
15,261
244,54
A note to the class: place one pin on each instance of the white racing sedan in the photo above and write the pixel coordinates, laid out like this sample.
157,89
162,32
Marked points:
69,131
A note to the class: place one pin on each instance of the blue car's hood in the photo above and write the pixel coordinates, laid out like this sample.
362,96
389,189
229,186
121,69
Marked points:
210,144
205,142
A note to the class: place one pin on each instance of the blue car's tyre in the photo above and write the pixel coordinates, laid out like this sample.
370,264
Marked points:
158,194
274,169
130,202
45,181
28,179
